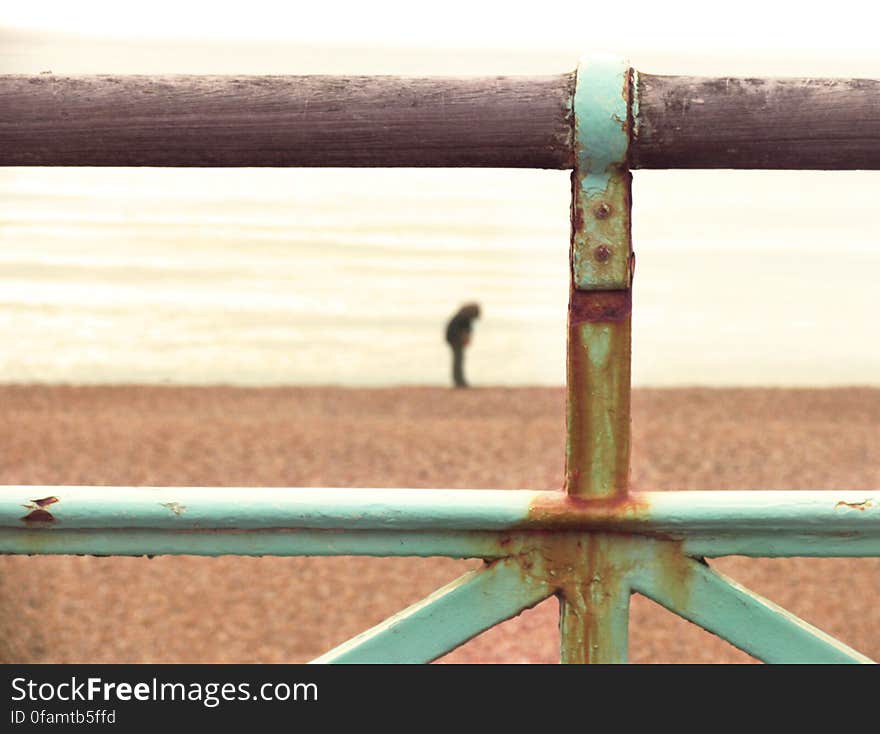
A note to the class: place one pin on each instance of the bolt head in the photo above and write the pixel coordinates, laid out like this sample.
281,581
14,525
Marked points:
602,211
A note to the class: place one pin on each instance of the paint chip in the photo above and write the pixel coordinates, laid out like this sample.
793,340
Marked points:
860,506
175,507
38,513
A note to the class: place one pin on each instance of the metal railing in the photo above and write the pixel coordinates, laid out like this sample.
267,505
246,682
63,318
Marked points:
593,544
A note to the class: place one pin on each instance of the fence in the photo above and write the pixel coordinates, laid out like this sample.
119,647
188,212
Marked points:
592,545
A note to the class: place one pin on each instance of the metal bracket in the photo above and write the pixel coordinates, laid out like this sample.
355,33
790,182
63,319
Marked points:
601,240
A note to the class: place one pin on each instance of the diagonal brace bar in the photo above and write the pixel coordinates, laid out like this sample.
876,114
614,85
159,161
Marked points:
753,624
447,618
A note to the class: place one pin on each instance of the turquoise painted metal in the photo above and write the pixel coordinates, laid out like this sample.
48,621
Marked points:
600,305
594,605
591,546
447,618
718,604
810,516
601,199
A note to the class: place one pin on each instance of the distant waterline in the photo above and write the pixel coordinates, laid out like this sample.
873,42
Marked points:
315,277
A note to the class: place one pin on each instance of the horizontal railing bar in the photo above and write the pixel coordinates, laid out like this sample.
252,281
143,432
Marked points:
272,542
781,544
729,122
283,121
357,121
192,508
485,544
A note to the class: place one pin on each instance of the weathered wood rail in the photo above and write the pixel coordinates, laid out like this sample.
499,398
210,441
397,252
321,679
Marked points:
520,122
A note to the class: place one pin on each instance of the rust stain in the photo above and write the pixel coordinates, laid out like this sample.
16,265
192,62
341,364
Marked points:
593,575
602,211
598,412
577,217
598,306
46,501
38,515
592,226
860,506
587,603
602,253
551,557
569,511
592,585
598,591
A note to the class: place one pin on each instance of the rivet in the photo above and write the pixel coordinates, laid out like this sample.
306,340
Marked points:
602,253
602,211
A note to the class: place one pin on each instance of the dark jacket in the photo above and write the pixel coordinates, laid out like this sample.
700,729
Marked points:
459,327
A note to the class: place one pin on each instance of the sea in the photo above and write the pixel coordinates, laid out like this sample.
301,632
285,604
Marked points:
347,277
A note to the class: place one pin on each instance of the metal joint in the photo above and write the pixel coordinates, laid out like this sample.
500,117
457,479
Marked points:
601,252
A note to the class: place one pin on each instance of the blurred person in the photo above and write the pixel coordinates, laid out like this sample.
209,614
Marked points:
458,336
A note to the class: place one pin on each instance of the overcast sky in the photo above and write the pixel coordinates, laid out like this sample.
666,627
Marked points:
703,211
822,30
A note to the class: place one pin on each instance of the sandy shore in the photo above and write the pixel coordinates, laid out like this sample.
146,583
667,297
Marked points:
186,609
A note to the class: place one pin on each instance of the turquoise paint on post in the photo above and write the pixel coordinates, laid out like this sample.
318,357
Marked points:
598,336
601,109
601,126
447,618
605,385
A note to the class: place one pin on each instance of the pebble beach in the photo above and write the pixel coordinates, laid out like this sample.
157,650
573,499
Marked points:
273,610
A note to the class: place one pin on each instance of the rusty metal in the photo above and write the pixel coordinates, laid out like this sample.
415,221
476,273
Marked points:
598,386
38,512
600,302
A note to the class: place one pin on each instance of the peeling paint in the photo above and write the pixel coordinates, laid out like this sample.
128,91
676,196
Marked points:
38,512
39,516
860,506
175,507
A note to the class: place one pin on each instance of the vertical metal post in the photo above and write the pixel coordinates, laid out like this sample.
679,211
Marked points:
594,605
597,450
599,344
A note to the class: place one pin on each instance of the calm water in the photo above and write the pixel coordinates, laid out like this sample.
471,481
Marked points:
331,276
347,277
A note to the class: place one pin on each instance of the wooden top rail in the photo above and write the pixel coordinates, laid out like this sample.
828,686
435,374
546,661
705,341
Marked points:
506,122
